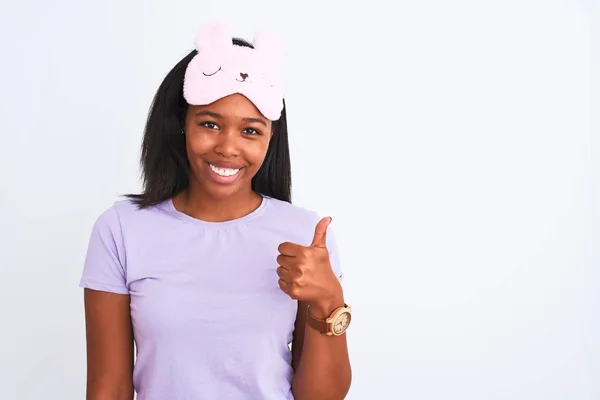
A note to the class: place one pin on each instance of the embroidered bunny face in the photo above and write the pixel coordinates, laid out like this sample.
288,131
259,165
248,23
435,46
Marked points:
221,68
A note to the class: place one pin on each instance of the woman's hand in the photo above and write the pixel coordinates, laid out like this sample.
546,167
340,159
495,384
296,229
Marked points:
305,273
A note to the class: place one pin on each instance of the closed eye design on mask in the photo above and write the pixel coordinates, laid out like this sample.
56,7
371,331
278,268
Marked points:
212,73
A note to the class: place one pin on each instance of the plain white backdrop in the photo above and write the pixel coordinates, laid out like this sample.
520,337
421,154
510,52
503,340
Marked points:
452,143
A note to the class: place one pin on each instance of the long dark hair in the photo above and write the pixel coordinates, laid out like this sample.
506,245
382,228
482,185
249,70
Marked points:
164,163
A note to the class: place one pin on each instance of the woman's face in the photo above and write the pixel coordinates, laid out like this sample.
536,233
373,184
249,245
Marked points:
226,142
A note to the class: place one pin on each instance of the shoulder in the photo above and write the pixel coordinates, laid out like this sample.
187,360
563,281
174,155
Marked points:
295,223
124,211
292,213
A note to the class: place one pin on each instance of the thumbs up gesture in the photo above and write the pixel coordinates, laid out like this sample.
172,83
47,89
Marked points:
305,272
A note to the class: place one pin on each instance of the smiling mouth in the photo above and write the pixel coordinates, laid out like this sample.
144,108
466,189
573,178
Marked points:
224,172
224,175
240,80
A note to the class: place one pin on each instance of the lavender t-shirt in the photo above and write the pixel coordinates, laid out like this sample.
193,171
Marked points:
210,321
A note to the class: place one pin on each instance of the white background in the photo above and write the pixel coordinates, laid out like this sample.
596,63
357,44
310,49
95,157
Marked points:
451,141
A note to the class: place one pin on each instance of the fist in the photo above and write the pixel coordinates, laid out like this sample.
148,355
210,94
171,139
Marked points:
305,272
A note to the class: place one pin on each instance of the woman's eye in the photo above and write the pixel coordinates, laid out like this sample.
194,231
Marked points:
209,125
251,131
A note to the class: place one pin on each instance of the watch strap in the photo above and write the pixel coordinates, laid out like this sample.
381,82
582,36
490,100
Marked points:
318,324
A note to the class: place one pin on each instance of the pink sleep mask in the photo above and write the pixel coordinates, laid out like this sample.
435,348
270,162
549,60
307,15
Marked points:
221,68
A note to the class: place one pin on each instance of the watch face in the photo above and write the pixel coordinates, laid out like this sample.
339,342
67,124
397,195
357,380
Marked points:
341,323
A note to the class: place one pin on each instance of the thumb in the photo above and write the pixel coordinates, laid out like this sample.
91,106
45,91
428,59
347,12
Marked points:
319,240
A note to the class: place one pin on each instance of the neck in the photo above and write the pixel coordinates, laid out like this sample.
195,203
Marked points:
196,203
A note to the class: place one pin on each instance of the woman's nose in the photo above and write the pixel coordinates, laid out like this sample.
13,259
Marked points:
227,144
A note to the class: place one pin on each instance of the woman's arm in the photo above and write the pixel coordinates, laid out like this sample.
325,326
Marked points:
109,336
321,363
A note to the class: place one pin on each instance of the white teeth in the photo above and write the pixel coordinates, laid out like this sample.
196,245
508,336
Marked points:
224,171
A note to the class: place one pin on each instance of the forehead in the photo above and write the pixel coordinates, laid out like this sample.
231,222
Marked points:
235,105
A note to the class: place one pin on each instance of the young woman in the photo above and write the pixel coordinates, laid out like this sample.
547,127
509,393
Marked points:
211,271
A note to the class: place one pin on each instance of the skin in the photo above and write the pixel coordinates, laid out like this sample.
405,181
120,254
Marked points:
231,132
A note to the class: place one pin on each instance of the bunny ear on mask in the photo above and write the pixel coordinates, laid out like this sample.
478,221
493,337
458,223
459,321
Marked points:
270,45
213,36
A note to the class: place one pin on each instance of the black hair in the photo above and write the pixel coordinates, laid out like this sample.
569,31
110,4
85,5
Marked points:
164,163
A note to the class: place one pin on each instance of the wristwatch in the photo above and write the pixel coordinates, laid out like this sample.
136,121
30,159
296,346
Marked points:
335,325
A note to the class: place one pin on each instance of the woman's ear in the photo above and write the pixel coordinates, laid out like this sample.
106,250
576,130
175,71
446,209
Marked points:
182,117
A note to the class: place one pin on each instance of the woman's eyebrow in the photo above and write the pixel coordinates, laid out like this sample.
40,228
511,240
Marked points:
210,114
219,116
257,120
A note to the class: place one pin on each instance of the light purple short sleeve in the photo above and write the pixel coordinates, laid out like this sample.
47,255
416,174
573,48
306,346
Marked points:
103,269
